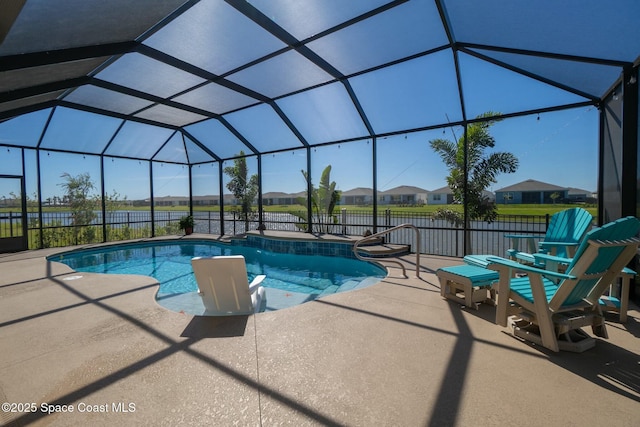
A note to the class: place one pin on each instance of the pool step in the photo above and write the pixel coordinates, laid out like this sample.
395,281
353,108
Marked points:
383,250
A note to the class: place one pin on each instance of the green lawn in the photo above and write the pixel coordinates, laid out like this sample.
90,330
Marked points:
502,209
542,209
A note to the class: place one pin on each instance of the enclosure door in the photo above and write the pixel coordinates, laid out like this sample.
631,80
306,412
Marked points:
13,216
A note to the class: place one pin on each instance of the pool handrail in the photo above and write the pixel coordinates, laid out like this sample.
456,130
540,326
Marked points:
382,233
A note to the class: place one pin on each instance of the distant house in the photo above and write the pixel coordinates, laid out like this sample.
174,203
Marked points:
577,195
278,198
171,201
357,196
300,196
206,200
444,196
440,196
230,200
531,192
404,194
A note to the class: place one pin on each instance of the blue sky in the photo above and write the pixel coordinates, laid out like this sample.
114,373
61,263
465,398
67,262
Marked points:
422,91
560,148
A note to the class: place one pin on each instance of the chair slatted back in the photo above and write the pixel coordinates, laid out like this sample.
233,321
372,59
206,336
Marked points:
568,226
224,284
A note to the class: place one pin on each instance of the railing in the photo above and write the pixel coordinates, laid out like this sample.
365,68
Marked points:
10,224
437,237
382,233
58,228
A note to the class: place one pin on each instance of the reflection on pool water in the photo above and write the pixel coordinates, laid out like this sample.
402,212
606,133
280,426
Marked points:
291,279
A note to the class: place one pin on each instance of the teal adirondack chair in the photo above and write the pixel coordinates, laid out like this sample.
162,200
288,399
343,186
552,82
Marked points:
551,307
565,232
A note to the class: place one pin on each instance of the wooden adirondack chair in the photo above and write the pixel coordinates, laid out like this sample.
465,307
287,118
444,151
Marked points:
565,232
552,307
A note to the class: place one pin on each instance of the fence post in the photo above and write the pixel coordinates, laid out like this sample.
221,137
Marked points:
387,218
344,220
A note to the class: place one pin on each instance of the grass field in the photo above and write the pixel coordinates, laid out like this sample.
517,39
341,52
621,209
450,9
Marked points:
502,209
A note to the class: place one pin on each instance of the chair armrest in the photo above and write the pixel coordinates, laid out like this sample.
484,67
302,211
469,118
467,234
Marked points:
628,271
555,244
552,247
528,238
528,269
255,283
551,262
552,258
506,267
523,236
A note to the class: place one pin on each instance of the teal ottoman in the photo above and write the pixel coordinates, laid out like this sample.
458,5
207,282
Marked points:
468,284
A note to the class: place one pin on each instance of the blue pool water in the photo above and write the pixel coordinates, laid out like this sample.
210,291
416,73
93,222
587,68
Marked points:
291,279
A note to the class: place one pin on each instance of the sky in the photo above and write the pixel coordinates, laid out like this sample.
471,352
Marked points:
559,148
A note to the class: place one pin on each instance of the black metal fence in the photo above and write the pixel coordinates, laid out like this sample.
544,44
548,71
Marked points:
437,236
58,228
10,224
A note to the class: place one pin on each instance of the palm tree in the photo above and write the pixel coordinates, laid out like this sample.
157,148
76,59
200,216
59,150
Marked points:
482,170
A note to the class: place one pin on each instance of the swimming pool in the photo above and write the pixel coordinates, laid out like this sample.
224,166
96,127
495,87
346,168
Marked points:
291,279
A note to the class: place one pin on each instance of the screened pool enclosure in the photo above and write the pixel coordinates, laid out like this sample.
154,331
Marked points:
155,101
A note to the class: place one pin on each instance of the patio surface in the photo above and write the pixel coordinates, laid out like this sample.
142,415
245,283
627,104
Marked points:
392,354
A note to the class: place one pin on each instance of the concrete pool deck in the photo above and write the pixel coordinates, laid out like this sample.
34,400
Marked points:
394,353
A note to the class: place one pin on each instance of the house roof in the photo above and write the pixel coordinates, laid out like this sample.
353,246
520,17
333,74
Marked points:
403,189
441,190
531,185
574,191
358,191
